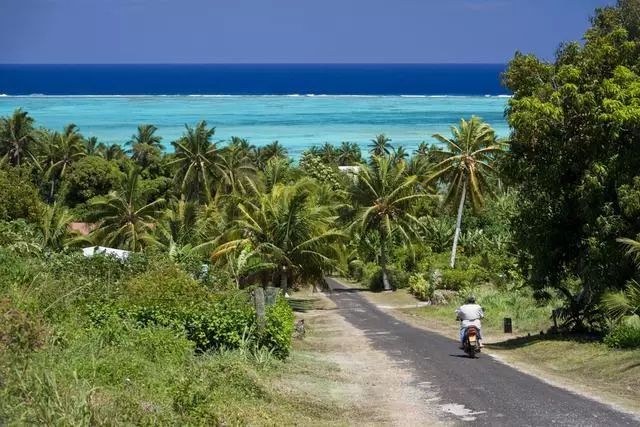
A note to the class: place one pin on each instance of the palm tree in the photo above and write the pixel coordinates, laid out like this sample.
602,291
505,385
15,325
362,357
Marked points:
53,225
17,137
271,151
386,194
276,171
146,135
124,218
625,305
328,153
244,146
400,154
349,154
380,145
178,226
237,171
423,149
145,145
114,152
61,150
466,166
288,228
195,160
93,147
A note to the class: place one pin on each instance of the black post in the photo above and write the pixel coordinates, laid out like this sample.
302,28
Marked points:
507,325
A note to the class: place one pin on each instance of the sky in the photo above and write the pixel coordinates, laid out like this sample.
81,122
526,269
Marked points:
287,31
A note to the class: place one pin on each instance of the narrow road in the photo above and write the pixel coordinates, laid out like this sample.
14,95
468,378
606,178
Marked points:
476,391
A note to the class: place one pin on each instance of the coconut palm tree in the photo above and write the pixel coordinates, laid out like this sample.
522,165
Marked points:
53,225
114,152
380,145
288,228
17,137
93,147
386,194
465,166
145,145
237,171
60,151
177,227
124,218
328,153
625,305
195,160
271,151
349,154
146,135
400,154
423,149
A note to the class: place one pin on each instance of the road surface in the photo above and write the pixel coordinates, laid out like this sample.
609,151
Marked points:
479,391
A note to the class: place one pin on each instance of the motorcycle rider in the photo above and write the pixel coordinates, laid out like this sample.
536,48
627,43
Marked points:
469,314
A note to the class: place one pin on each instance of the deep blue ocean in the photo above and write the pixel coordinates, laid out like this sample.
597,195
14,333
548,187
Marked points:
298,105
258,79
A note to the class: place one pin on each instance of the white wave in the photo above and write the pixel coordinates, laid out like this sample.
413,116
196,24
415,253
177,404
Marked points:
292,95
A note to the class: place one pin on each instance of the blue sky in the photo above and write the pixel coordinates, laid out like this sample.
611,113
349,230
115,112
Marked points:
266,31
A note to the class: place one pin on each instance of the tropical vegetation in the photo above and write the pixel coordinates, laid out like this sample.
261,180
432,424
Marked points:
543,221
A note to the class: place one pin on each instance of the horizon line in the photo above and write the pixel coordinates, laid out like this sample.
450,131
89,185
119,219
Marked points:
253,63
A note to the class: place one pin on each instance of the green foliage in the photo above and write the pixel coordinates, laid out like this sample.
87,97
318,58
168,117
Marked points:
322,171
624,336
19,197
398,279
420,287
462,278
89,177
20,332
278,328
575,158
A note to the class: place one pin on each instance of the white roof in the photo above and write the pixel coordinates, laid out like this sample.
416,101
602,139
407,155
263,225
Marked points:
350,169
101,250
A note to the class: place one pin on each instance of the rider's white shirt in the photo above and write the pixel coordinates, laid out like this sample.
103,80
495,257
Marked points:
470,314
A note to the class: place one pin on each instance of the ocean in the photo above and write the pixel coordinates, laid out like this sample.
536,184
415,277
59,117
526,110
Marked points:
298,105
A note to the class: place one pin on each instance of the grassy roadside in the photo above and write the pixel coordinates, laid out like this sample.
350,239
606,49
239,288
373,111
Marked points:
579,364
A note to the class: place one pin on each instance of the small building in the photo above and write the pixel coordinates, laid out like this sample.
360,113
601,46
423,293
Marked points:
120,254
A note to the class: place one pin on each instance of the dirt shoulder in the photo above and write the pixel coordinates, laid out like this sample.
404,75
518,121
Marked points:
586,368
362,384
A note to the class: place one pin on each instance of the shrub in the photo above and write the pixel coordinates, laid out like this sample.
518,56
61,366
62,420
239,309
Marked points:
278,328
356,270
623,335
397,278
420,287
458,279
19,197
89,177
20,332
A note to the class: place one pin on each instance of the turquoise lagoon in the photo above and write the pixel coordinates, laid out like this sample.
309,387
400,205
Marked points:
297,121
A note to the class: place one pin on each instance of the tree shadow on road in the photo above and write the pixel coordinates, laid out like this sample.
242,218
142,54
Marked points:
520,342
349,290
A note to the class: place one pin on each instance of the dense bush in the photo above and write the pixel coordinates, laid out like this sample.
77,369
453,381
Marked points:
420,287
278,328
19,197
20,332
460,279
397,278
90,177
623,335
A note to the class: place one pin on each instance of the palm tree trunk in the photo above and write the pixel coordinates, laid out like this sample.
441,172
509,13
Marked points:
456,236
53,187
283,280
383,264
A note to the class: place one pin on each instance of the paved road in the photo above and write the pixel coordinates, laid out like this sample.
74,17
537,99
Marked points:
475,391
